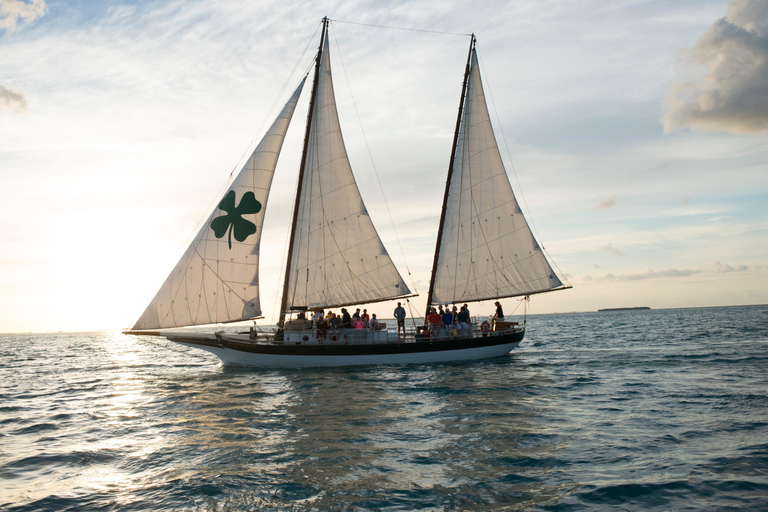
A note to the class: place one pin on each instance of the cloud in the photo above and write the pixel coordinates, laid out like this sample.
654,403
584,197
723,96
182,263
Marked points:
724,267
13,101
610,249
686,201
604,202
647,274
732,95
11,11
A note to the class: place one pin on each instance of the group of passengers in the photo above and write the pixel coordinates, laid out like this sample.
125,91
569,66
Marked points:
454,321
448,322
331,323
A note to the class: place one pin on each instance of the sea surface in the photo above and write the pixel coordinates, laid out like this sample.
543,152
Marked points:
650,410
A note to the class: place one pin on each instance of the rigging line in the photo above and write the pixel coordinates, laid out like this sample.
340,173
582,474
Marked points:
275,103
402,28
413,318
514,170
373,164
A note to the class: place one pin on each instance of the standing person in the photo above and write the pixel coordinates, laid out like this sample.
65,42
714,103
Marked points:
469,320
317,316
346,320
498,316
365,318
356,315
462,320
374,323
400,317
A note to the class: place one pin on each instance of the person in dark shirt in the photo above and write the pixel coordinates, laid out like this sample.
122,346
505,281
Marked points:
448,321
462,320
346,320
322,327
499,315
400,317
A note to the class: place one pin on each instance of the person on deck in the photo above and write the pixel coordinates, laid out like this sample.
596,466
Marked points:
448,322
365,317
434,319
499,315
322,327
346,320
356,315
358,323
400,317
374,323
334,325
317,316
462,321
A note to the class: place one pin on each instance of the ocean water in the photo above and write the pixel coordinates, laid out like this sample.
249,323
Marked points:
638,410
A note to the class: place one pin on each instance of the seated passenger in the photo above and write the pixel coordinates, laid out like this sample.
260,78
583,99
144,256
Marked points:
434,322
448,322
322,326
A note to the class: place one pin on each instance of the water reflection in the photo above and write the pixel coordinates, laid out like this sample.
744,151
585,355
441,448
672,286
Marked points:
453,435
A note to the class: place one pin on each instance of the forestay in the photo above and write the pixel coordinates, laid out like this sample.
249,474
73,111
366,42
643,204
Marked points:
338,257
487,249
217,278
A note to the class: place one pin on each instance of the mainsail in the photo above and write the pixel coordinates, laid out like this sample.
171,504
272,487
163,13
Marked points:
216,280
486,250
337,258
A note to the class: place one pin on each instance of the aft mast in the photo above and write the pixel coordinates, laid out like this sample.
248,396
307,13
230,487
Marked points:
448,180
284,301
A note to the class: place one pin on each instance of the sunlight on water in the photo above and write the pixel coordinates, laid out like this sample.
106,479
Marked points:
628,411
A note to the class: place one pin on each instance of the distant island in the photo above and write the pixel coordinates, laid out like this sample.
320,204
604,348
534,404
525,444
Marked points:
623,309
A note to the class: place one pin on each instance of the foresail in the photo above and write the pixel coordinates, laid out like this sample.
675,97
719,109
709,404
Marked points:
487,249
216,280
338,257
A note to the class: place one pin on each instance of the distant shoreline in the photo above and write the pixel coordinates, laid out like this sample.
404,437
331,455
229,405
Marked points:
623,309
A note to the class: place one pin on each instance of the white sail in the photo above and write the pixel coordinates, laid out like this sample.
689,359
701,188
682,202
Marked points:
338,257
217,278
487,249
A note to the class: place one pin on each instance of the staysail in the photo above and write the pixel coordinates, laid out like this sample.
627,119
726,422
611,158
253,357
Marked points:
216,280
487,250
337,257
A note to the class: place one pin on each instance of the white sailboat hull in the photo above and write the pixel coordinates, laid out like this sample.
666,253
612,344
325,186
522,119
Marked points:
237,353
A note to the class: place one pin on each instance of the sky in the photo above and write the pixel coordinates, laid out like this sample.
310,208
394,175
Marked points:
635,133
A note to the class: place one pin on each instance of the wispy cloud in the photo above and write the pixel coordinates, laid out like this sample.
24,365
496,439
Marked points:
11,11
610,249
685,202
724,267
604,202
646,274
12,101
733,94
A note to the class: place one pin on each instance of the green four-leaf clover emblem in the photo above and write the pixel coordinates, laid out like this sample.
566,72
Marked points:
233,220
